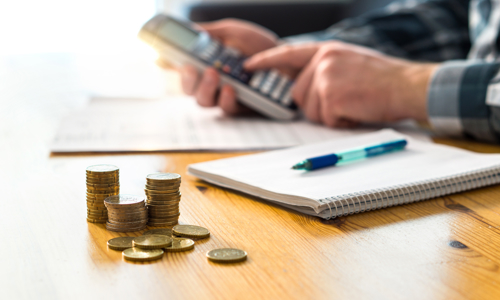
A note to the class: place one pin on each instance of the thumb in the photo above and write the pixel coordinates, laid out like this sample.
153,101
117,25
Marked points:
217,29
285,56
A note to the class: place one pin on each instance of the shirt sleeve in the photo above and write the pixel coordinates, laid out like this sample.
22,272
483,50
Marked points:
464,100
425,30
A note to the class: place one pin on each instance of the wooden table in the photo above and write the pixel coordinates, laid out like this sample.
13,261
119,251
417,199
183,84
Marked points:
446,248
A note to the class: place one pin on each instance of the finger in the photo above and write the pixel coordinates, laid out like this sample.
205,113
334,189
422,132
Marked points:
312,104
282,56
227,101
337,122
346,123
217,29
189,78
302,83
207,89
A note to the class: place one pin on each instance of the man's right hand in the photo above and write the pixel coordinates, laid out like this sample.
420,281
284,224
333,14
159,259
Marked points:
246,37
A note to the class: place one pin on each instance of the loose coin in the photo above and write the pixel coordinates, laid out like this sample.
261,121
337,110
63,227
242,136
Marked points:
121,243
102,169
180,244
136,254
152,241
191,231
226,255
160,231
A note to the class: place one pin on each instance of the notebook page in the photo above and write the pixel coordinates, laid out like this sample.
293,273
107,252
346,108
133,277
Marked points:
268,175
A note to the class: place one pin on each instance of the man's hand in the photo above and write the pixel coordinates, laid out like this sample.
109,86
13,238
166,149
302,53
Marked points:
249,39
341,84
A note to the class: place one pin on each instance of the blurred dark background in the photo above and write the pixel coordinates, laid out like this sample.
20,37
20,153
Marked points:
285,18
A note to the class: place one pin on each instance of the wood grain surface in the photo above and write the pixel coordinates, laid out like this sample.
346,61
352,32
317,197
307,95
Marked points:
445,248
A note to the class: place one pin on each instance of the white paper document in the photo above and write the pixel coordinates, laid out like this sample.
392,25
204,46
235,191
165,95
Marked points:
178,124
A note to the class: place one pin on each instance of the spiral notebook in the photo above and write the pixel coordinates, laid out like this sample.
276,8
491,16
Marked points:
422,171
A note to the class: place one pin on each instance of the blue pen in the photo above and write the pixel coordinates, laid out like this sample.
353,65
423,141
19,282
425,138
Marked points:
351,155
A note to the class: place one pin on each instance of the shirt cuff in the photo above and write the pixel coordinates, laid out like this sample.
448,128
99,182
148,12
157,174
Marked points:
457,99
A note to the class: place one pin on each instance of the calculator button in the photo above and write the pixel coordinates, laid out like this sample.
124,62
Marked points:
230,64
278,90
257,79
286,100
221,59
244,76
270,82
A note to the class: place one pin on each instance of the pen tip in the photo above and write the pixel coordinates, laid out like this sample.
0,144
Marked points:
299,166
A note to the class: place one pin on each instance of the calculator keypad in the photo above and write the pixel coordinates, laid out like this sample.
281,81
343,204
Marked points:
268,83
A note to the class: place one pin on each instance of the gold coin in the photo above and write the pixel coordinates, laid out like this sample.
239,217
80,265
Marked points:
121,243
191,231
163,193
163,187
102,169
103,185
170,211
164,177
162,220
96,221
96,205
102,179
136,254
139,213
124,200
126,224
105,194
102,197
103,190
165,224
167,200
154,207
161,231
126,229
152,241
164,214
226,255
162,203
180,244
97,214
102,174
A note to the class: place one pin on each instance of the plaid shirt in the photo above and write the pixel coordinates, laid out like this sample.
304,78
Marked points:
464,93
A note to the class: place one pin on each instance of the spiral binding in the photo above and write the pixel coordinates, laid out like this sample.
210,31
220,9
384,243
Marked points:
404,194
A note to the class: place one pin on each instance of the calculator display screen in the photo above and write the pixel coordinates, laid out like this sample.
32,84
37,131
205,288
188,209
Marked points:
178,34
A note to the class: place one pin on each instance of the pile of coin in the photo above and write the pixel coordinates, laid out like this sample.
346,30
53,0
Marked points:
163,198
126,213
102,182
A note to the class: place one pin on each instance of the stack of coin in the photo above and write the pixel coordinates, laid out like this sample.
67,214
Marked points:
163,197
102,182
126,213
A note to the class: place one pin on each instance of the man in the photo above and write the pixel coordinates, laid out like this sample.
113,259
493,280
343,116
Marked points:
429,60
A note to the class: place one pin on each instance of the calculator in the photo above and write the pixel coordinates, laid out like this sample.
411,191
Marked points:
179,43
